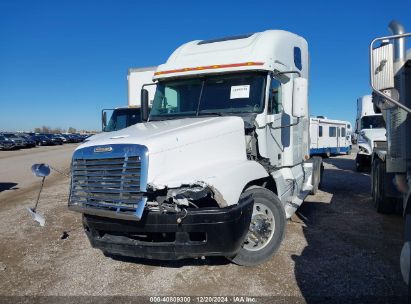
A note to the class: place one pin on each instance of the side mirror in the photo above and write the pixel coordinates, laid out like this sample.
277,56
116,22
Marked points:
144,105
40,170
300,97
103,119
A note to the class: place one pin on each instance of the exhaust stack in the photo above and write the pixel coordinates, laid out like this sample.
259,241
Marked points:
397,28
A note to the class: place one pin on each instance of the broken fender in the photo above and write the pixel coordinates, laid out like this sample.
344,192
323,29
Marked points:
225,180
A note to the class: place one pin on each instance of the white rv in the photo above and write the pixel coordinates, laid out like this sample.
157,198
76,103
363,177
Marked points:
123,117
329,136
218,165
370,127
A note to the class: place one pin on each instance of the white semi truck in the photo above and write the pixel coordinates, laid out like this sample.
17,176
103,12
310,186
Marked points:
123,117
218,165
370,127
390,74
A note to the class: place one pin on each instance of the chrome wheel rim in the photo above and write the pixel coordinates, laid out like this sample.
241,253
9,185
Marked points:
261,228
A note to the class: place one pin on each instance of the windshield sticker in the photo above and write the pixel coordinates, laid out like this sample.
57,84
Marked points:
241,91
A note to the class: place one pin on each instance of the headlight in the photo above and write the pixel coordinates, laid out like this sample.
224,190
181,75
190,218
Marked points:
363,149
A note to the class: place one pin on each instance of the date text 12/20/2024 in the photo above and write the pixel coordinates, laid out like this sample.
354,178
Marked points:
205,299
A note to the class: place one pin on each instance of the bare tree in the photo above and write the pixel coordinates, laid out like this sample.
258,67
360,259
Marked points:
71,130
56,130
45,129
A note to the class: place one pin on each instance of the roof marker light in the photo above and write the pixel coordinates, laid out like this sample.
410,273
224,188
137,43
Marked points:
210,67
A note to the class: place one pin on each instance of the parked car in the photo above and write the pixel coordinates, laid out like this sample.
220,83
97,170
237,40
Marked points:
18,141
29,142
80,138
72,138
61,137
5,143
55,139
41,140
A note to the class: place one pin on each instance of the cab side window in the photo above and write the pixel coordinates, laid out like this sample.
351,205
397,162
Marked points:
274,101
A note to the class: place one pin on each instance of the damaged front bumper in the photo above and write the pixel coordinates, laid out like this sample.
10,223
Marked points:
194,233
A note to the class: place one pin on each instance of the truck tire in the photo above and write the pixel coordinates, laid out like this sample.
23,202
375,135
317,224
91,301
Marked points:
405,258
373,179
382,203
359,164
261,242
317,174
321,175
316,182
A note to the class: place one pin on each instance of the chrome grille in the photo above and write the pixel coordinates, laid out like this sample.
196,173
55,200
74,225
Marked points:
114,181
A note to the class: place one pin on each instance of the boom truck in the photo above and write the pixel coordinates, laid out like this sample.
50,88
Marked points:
218,165
123,117
390,77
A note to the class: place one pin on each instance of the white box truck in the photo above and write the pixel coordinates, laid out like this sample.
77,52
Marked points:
123,117
390,74
218,165
370,127
329,136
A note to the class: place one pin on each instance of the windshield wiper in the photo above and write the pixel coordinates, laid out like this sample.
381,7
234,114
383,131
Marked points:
199,98
210,113
170,117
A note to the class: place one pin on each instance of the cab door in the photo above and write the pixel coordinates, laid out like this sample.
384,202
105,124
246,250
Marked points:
276,137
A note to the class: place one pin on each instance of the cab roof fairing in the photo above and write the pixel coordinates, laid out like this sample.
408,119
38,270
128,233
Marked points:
267,48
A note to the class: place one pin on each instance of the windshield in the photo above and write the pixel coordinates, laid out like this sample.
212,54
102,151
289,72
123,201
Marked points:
123,118
235,93
372,122
10,135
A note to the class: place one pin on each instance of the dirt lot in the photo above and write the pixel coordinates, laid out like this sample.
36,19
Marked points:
336,245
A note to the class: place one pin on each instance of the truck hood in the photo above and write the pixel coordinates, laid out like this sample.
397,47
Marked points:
96,136
368,136
159,136
374,134
204,152
191,150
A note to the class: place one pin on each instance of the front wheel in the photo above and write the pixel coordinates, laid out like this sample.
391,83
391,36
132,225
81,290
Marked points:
266,231
359,163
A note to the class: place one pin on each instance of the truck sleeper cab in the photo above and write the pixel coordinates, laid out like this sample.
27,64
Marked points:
219,164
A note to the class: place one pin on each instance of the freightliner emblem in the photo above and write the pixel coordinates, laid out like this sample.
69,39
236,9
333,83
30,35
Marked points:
103,149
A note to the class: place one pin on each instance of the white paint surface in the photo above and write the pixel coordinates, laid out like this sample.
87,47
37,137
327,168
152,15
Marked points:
193,149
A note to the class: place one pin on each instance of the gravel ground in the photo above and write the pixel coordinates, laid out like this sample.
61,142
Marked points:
336,245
